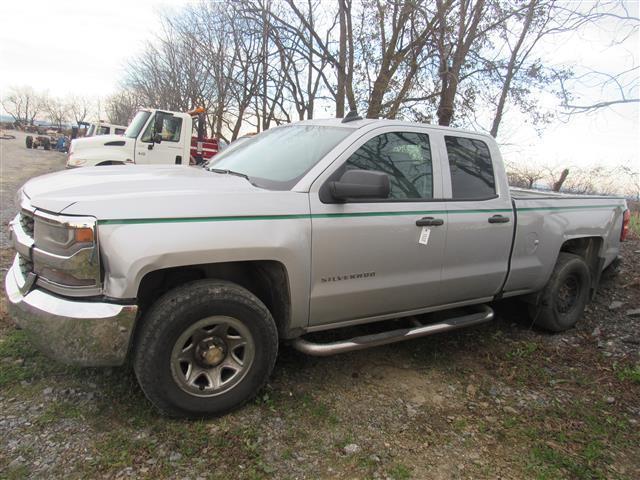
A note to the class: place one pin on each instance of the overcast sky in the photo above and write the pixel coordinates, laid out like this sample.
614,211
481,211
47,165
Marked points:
81,47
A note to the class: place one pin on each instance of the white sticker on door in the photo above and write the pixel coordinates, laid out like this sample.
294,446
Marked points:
424,235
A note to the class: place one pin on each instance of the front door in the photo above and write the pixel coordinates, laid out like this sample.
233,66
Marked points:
370,258
170,150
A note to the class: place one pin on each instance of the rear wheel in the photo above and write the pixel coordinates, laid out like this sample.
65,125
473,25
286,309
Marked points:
29,141
565,295
205,348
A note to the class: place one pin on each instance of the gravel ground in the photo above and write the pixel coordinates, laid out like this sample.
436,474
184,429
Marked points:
498,401
17,165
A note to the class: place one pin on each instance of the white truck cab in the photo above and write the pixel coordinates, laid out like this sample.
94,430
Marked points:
153,137
104,128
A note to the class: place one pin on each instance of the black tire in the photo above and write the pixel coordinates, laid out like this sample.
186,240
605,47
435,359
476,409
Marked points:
47,145
182,309
29,141
565,295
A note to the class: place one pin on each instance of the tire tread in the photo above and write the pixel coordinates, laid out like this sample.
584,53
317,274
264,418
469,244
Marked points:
168,308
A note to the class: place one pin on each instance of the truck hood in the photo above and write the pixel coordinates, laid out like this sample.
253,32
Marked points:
92,150
99,141
143,191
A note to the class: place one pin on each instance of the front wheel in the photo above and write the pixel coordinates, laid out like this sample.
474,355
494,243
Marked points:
205,348
565,295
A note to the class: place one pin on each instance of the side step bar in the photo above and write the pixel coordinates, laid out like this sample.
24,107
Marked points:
484,314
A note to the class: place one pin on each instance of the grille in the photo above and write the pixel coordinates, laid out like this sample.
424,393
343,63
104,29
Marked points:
26,221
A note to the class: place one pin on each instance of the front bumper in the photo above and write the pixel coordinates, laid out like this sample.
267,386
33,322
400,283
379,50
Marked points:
74,332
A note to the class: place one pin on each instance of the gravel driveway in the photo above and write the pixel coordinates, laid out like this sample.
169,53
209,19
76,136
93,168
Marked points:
497,401
17,165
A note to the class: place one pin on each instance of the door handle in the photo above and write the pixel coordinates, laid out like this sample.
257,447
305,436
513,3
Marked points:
499,219
429,222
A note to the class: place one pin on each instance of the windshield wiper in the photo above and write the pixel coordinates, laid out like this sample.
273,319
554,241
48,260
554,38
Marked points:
231,172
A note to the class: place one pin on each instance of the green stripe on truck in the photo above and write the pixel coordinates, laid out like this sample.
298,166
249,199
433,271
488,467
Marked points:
137,221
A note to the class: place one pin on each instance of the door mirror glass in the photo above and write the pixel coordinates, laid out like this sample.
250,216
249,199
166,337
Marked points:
157,138
361,184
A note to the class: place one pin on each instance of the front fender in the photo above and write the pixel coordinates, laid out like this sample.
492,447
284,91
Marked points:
131,251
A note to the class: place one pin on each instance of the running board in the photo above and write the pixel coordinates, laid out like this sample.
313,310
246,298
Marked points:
484,314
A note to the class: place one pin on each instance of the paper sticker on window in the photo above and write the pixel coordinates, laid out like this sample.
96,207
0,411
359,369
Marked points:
424,235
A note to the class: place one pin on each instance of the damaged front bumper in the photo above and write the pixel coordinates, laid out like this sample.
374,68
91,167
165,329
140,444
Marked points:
74,332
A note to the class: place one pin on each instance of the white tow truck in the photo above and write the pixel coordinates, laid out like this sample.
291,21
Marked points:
103,128
153,137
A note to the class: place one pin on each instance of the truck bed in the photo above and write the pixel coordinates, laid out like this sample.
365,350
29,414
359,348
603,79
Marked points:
546,220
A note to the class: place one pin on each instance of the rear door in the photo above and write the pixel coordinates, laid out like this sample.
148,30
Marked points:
480,218
369,257
170,150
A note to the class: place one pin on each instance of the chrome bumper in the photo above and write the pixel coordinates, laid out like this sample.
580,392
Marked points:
74,332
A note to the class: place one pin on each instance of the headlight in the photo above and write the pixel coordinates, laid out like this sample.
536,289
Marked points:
75,162
62,238
65,254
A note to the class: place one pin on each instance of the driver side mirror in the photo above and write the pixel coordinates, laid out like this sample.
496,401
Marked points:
360,184
157,138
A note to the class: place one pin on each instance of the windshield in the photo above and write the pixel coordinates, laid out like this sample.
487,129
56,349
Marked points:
278,158
136,124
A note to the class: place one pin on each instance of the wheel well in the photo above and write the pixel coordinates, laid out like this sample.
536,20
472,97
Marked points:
108,162
589,249
266,279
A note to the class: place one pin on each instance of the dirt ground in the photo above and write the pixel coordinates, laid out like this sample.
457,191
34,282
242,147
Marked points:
18,164
501,400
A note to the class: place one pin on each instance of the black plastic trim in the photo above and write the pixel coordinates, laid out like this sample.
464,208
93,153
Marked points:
498,296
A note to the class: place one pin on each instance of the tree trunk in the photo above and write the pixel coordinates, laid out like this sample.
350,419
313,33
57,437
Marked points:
450,74
563,176
342,59
511,68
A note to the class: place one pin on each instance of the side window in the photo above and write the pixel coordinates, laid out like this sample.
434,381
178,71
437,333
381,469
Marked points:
120,131
405,157
171,127
102,130
471,168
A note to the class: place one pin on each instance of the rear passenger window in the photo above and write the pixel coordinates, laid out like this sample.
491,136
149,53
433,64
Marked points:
471,168
405,157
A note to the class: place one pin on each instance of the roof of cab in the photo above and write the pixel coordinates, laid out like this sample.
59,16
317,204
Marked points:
356,124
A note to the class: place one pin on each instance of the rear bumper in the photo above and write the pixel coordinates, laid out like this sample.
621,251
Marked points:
71,331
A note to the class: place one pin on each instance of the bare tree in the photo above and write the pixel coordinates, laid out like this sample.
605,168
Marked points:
255,63
121,107
614,87
458,30
625,83
57,111
557,184
23,104
525,175
80,108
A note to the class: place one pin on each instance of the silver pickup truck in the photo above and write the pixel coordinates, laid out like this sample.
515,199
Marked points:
197,274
